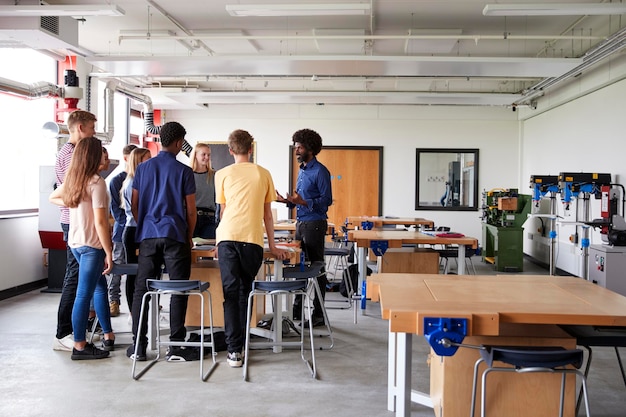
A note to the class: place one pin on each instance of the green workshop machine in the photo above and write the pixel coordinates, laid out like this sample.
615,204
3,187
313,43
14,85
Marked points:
504,212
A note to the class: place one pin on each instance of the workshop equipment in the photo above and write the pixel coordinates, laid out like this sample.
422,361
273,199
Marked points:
504,212
579,186
541,186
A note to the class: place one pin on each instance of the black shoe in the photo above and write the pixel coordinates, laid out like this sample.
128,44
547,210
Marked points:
317,322
90,352
141,352
108,344
182,354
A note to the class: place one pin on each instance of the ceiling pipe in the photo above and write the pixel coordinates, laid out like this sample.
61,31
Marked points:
114,86
364,37
613,44
180,26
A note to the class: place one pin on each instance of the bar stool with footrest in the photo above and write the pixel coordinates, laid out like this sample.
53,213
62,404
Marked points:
158,287
275,289
310,273
118,269
598,336
340,255
526,359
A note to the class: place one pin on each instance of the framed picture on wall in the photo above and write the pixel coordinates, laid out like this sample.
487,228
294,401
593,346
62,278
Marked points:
220,157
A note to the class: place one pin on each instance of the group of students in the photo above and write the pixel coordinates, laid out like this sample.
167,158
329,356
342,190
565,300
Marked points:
166,203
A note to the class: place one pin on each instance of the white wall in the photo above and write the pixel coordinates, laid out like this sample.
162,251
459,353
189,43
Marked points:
582,134
21,256
399,129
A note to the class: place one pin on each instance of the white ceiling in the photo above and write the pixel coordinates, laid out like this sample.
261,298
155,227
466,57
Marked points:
190,53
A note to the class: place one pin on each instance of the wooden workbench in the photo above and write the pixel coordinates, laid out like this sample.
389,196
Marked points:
492,305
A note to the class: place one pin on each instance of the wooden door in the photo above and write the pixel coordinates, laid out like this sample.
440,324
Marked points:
356,179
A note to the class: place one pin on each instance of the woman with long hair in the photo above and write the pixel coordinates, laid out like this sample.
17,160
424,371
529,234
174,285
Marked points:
204,176
136,157
84,193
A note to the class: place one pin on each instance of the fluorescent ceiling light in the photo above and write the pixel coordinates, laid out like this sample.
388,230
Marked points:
61,10
331,9
554,9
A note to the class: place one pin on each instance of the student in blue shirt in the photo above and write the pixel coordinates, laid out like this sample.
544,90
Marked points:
311,199
164,205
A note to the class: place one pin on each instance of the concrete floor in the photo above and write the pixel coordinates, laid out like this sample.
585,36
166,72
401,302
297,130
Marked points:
352,377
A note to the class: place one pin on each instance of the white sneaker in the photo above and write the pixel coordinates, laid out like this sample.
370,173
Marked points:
234,359
65,344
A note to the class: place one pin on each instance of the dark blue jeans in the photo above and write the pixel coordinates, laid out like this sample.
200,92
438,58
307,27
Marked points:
91,284
153,254
239,263
68,292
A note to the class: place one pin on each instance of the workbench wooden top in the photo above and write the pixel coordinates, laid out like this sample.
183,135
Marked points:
488,301
380,221
397,238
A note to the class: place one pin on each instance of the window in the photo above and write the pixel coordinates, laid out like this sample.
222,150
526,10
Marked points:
25,147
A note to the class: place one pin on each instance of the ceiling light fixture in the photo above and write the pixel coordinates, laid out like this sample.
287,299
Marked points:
330,9
554,9
61,10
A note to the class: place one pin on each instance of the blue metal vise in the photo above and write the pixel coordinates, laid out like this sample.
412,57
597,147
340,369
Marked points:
367,225
445,334
379,247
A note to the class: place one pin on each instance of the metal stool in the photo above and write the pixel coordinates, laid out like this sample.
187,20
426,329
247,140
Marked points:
118,269
526,359
177,287
310,273
588,336
341,257
275,289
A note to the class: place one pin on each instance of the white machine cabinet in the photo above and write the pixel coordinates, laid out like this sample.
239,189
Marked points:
607,267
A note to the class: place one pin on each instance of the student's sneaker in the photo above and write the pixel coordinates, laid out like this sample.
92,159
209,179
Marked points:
65,344
90,352
182,354
141,352
234,359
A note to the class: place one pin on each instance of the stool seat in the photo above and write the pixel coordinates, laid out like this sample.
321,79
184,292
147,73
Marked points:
532,356
286,286
177,285
336,252
303,272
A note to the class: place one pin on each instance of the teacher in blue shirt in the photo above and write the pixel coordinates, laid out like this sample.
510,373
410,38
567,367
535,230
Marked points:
311,198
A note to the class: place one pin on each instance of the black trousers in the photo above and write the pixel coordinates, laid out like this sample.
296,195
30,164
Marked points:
312,235
239,263
153,254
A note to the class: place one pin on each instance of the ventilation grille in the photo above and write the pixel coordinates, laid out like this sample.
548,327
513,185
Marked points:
50,24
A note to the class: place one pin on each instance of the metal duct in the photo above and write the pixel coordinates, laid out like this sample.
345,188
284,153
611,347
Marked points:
148,112
31,91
